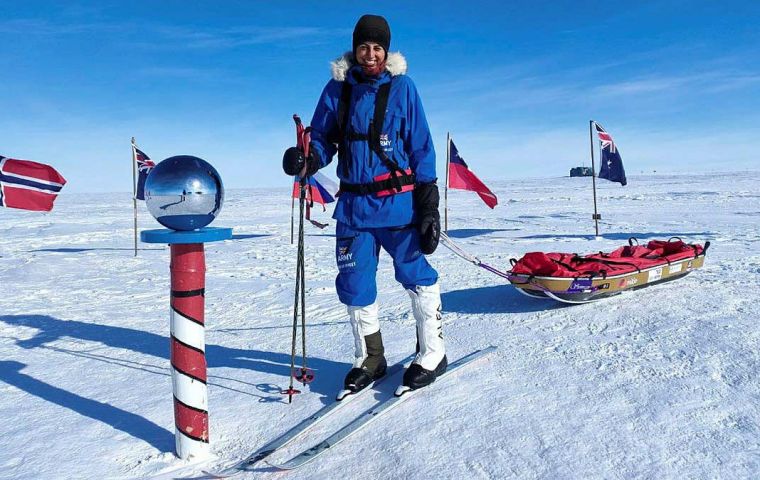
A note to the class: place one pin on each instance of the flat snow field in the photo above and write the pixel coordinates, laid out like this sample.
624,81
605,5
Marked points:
658,383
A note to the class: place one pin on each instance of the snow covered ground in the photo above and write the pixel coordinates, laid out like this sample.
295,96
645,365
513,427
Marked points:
656,383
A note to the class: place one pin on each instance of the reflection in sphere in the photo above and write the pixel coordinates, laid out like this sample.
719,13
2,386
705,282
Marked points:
184,193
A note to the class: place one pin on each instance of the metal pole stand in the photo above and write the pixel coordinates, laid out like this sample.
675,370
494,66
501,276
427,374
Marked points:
187,327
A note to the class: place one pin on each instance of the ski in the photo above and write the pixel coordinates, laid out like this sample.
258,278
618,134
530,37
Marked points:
301,428
365,418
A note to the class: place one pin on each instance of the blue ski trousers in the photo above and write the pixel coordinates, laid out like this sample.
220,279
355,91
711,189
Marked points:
357,251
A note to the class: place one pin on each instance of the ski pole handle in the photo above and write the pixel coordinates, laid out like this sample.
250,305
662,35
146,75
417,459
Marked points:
303,139
306,141
299,130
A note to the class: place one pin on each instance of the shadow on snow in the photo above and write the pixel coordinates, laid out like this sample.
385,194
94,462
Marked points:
474,232
235,236
130,423
329,373
495,299
79,250
245,236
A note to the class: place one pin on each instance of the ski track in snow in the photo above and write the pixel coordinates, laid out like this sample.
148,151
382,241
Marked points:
656,383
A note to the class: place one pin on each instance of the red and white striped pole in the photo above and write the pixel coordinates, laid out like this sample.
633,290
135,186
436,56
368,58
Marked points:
188,334
188,350
185,193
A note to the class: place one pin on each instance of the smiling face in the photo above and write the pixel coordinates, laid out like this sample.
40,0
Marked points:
370,55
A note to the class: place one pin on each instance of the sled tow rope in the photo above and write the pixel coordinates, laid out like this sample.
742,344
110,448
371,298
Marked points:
449,243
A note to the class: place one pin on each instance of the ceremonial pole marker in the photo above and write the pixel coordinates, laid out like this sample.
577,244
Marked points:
185,194
187,334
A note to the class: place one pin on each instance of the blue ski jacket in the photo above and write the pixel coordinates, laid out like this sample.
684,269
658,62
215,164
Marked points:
405,138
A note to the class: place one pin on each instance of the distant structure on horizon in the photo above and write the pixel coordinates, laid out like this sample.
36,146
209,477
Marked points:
580,172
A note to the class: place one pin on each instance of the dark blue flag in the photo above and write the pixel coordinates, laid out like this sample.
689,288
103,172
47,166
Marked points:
144,165
611,164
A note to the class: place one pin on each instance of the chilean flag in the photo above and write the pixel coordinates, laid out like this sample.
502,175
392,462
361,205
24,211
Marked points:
320,189
28,185
462,178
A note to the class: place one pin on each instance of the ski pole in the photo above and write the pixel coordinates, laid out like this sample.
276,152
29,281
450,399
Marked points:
306,375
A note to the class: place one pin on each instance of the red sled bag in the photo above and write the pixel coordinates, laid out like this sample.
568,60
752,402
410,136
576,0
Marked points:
630,258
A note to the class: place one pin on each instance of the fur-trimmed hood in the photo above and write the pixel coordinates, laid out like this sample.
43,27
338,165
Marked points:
395,65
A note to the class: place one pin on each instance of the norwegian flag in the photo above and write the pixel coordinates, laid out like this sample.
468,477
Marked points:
611,164
144,166
28,185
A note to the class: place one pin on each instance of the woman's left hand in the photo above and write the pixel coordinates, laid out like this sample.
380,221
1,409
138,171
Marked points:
426,203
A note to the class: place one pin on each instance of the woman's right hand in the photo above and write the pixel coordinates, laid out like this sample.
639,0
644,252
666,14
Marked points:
295,163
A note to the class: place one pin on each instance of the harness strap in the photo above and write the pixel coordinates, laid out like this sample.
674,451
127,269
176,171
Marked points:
377,186
352,136
381,105
376,129
398,178
343,107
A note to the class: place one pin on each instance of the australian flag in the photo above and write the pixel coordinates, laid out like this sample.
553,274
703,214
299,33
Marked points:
28,185
612,165
144,166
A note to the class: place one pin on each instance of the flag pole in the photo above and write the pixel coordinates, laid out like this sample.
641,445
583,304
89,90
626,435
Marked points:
446,188
134,189
596,217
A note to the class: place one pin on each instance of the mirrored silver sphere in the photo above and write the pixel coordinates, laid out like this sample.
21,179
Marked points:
184,193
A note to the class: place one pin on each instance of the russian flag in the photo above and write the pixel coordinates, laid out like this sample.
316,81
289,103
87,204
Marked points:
28,185
321,189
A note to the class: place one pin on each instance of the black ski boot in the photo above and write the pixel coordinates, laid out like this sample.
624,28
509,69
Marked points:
373,367
358,378
417,377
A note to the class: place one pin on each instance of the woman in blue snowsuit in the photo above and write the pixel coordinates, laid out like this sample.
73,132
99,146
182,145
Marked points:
371,115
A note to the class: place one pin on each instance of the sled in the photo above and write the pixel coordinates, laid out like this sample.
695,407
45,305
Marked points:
571,278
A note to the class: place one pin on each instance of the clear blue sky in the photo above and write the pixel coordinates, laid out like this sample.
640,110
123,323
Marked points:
677,83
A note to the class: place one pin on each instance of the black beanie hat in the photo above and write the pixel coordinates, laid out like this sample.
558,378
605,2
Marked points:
372,28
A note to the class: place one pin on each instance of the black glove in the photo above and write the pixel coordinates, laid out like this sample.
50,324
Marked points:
293,161
426,206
